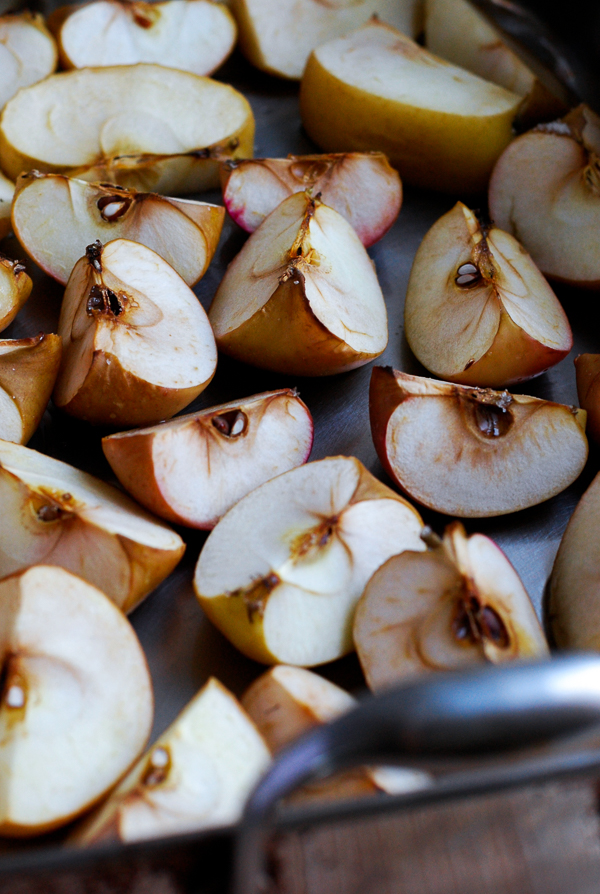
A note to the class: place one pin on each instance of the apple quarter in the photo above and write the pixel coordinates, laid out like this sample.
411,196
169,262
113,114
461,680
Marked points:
15,289
27,52
28,370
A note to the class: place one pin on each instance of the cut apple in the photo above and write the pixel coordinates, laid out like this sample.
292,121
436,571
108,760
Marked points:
27,52
191,35
232,449
461,603
53,216
478,311
197,775
302,296
75,703
54,514
137,345
282,571
545,190
142,126
587,371
441,126
7,190
15,289
473,452
361,186
28,370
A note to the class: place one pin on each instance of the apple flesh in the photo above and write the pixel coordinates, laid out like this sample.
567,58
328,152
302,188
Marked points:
587,372
302,296
137,345
28,370
27,52
76,700
477,310
56,515
458,604
54,215
15,289
7,190
282,571
473,452
232,448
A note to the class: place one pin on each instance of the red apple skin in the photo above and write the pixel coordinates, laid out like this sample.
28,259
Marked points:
385,387
587,372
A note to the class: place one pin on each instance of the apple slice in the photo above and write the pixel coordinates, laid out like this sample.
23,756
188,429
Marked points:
478,311
361,186
191,35
27,52
302,296
282,571
232,449
15,289
587,372
460,603
545,190
54,514
28,370
441,126
7,190
54,215
473,452
75,702
137,345
197,775
122,125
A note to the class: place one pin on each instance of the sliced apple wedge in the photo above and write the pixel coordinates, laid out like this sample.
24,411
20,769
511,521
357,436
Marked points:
191,35
15,289
473,452
478,311
302,296
137,345
545,190
54,514
232,449
440,126
282,571
197,775
75,702
587,372
53,216
28,370
122,125
361,186
7,190
27,52
460,603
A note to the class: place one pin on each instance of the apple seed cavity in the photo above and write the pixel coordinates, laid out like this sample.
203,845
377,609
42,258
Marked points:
475,623
113,207
231,424
491,413
255,596
306,545
158,767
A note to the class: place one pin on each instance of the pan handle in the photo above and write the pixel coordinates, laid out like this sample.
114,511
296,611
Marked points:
441,718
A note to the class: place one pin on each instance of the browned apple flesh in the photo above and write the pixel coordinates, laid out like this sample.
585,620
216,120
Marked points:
28,370
27,52
478,311
473,452
15,289
587,372
361,186
459,604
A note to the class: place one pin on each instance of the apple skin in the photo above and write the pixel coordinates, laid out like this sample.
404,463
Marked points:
587,372
30,376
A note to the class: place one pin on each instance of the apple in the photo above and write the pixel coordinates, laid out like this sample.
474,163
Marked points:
587,372
137,345
459,604
142,126
232,448
53,216
361,186
473,452
27,52
76,700
28,370
15,289
6,195
302,296
282,571
440,126
56,515
477,310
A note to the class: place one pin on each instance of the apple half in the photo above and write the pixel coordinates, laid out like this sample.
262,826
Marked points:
459,604
137,344
28,370
27,52
197,775
56,515
143,126
545,190
191,35
232,448
587,373
440,126
15,289
282,571
53,216
361,186
478,311
7,189
302,296
473,452
76,700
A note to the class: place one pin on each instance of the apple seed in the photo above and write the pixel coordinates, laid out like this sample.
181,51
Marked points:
476,622
231,424
467,275
111,208
105,301
158,767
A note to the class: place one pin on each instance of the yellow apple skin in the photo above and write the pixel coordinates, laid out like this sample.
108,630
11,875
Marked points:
28,375
587,372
